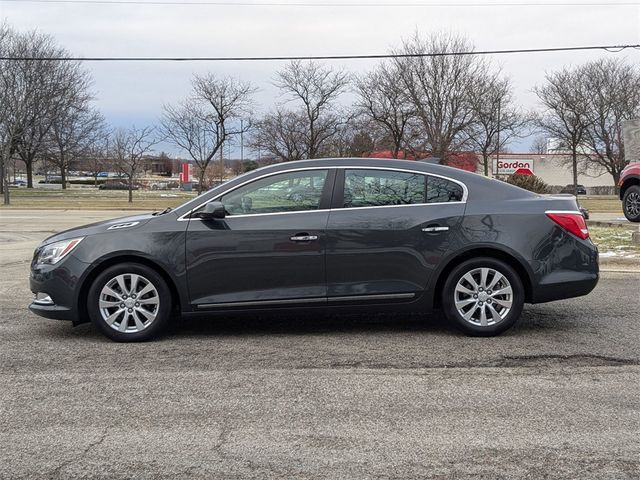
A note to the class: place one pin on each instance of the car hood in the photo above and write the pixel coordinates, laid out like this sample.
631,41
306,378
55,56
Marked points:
113,225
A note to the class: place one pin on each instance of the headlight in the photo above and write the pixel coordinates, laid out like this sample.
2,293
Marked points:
54,252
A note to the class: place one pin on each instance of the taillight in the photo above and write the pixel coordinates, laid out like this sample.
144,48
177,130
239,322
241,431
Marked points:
573,222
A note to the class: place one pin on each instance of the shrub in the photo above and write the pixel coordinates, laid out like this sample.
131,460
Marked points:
529,182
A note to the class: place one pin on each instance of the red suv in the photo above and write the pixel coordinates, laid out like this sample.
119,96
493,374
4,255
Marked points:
630,191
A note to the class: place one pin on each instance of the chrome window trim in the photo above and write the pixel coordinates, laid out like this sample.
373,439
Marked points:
465,192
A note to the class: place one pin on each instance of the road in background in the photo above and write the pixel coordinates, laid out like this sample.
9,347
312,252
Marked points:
318,396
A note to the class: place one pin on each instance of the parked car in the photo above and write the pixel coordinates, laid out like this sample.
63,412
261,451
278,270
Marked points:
630,191
18,182
580,189
116,185
381,235
102,174
164,185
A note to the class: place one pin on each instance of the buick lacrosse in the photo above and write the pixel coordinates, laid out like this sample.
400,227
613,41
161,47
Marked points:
346,234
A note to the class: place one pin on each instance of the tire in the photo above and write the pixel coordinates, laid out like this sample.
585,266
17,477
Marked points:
501,310
142,292
631,203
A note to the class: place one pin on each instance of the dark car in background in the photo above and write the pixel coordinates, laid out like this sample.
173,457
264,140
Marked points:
379,235
116,185
578,190
630,191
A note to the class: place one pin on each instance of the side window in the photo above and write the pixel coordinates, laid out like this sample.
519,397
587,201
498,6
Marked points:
366,188
285,192
440,190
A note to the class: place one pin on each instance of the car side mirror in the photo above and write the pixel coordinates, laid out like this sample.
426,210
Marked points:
213,210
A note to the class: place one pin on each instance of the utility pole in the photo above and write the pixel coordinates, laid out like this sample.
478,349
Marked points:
497,172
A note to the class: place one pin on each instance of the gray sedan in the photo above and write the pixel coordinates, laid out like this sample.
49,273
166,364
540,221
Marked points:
367,234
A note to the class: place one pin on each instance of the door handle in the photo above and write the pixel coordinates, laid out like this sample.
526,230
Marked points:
303,238
433,229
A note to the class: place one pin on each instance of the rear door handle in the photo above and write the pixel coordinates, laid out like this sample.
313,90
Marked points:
434,228
303,238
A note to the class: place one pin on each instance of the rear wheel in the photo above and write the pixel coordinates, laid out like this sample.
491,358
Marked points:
483,296
129,302
631,203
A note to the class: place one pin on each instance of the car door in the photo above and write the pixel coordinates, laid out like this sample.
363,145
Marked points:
387,231
269,248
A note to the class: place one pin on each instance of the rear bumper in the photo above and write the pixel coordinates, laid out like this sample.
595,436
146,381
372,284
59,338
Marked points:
569,288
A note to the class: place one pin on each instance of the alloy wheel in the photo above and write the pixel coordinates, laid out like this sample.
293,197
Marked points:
483,297
129,303
632,204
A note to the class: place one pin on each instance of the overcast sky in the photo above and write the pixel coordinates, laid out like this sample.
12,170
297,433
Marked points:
134,93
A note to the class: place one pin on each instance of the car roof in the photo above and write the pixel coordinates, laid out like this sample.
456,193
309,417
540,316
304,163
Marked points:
416,165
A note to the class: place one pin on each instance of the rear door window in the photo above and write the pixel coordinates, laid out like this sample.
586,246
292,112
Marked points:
374,188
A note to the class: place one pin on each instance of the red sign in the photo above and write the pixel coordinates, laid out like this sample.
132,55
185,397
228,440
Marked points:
523,171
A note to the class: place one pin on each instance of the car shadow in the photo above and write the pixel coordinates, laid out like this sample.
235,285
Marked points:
300,324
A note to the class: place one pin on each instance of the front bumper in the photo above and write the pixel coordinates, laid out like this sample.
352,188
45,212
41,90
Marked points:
54,312
60,282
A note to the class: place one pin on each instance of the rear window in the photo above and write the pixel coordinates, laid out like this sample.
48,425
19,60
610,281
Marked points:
440,190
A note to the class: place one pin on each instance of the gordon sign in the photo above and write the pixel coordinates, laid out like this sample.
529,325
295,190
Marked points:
508,166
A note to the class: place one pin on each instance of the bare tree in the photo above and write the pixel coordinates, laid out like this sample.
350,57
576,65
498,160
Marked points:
563,117
130,148
202,124
383,100
32,93
496,118
97,159
317,88
439,88
74,131
612,95
539,144
281,134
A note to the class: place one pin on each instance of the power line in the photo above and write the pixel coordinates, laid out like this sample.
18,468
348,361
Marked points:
607,48
334,4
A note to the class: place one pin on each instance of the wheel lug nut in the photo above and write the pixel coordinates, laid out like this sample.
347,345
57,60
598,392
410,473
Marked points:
475,296
480,303
133,296
124,296
122,305
137,304
130,310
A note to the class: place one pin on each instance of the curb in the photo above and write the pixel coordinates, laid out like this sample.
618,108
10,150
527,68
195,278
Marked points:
602,223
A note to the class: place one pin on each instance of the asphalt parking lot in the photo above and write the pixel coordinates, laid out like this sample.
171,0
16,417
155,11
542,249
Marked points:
333,396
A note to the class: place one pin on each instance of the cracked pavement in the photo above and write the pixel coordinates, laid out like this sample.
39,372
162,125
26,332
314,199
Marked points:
316,396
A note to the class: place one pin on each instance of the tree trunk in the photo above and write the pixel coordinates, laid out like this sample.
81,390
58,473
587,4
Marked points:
201,181
29,165
1,177
131,190
616,179
574,166
63,177
5,182
485,159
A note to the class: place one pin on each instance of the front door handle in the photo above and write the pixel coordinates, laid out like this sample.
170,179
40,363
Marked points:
434,229
303,238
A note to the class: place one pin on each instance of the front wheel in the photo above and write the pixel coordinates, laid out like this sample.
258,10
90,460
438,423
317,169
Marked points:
631,203
483,297
129,302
